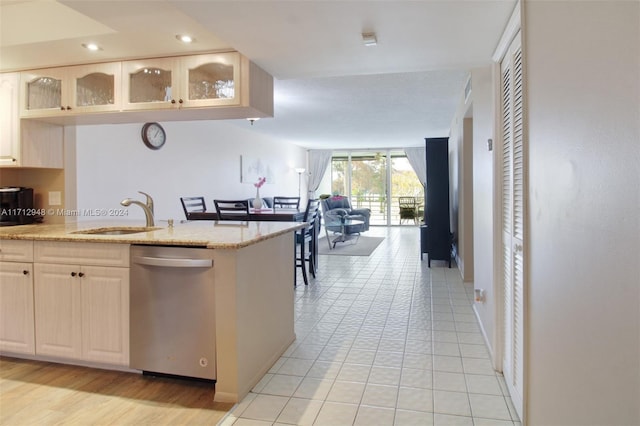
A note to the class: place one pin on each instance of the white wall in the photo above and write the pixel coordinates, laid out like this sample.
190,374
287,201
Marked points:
483,211
461,186
582,63
472,189
199,158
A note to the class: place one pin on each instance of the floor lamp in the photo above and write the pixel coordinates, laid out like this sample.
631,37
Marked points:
299,171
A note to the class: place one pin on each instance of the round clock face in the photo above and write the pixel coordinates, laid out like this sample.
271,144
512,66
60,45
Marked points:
153,135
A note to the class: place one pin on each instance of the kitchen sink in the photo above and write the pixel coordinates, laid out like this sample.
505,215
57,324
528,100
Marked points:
116,230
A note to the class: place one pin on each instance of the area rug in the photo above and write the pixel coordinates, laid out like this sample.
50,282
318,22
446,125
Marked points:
360,246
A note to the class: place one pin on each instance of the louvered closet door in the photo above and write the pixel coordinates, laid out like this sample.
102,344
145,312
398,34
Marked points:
513,186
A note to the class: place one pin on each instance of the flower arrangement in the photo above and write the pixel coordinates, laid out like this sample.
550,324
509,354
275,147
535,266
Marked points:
260,182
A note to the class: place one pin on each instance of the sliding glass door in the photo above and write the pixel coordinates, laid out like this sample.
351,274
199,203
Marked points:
407,193
375,179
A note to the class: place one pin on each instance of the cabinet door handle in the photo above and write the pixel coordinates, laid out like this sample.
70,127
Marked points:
62,107
25,272
173,101
73,274
180,101
81,274
68,108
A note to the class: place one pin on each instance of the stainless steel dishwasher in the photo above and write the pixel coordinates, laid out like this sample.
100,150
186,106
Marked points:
172,322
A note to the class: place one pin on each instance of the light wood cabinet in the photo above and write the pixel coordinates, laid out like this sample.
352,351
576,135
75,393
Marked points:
16,297
73,90
196,87
183,82
150,84
82,310
74,253
25,143
58,310
16,308
105,314
16,251
9,119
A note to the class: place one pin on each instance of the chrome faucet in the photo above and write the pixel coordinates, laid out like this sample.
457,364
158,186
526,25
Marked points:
149,201
148,207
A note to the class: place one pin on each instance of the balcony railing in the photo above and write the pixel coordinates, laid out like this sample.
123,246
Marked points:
378,206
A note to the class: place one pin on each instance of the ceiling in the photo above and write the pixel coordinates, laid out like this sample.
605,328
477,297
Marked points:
331,91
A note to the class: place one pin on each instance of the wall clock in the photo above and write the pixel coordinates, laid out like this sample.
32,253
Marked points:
153,135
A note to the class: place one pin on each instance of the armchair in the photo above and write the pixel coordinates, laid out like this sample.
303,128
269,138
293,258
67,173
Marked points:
337,206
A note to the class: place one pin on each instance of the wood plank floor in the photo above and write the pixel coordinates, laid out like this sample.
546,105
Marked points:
42,393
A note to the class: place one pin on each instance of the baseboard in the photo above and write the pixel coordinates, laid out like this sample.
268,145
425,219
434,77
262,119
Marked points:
484,336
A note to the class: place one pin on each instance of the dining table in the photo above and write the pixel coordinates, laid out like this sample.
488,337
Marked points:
277,215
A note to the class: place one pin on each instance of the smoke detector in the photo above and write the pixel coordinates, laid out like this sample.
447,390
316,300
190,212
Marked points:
369,39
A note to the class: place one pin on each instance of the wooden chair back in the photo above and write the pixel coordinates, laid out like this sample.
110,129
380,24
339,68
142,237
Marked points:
232,209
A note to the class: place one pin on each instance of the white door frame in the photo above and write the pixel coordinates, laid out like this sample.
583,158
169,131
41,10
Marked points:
514,26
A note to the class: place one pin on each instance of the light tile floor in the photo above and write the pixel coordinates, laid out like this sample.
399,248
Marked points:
382,340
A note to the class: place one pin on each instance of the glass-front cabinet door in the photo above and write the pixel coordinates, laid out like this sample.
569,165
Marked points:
150,84
41,92
95,88
71,90
187,81
211,80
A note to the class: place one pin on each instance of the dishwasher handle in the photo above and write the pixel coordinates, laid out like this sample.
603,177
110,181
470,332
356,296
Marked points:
173,262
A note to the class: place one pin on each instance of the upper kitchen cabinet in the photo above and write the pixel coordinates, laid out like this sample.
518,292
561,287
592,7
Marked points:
70,90
150,84
213,86
226,85
184,82
9,120
211,80
25,143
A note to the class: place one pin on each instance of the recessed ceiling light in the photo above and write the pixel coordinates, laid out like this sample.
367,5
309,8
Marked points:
185,38
91,46
369,39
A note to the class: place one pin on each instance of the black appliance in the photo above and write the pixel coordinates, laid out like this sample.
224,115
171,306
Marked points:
16,206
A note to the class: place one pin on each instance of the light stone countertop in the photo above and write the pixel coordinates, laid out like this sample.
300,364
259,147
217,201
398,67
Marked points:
201,233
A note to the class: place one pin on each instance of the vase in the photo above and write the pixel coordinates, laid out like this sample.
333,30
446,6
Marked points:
257,202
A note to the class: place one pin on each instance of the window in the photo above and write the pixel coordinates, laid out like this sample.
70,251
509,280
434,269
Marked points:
375,179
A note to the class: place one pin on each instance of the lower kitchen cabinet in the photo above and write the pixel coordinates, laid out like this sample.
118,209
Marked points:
16,308
82,312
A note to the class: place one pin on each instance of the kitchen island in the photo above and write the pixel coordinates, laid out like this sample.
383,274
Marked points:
253,286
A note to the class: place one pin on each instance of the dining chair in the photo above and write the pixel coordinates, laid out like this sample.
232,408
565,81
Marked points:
282,202
193,205
306,241
232,209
